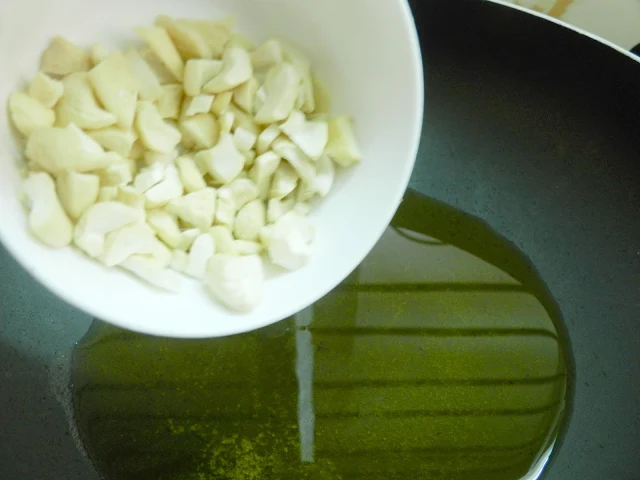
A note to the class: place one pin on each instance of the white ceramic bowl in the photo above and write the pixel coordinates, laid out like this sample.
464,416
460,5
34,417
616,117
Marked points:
367,53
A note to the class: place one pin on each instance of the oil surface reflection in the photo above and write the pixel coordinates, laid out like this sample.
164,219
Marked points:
441,356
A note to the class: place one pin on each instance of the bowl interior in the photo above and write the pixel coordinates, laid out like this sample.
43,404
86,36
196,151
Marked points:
368,58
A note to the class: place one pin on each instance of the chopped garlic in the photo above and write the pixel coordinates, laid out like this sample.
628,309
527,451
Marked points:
187,237
197,208
236,281
304,167
236,70
243,120
223,238
107,194
170,188
130,196
224,162
305,192
115,139
285,181
48,220
277,208
322,97
195,105
166,227
165,159
241,191
190,175
162,73
98,53
216,34
250,220
161,254
302,64
186,38
225,209
281,90
262,172
261,96
201,129
127,166
78,105
149,85
77,191
198,73
100,219
169,103
153,272
343,147
135,239
310,136
244,139
325,174
266,138
245,94
137,151
116,88
155,133
289,240
149,177
202,250
63,58
226,121
250,157
302,208
45,89
115,175
55,149
28,114
244,247
267,55
179,261
160,43
221,102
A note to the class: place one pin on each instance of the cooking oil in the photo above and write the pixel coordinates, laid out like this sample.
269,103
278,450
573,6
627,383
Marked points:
443,356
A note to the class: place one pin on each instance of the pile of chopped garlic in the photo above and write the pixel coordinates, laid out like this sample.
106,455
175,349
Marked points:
194,153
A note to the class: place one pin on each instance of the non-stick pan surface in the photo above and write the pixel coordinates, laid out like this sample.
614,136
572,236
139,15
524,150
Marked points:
536,129
529,126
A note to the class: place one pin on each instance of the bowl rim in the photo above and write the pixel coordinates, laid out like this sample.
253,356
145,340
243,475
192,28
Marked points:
563,23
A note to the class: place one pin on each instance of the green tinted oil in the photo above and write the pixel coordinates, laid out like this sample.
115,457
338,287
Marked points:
442,356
